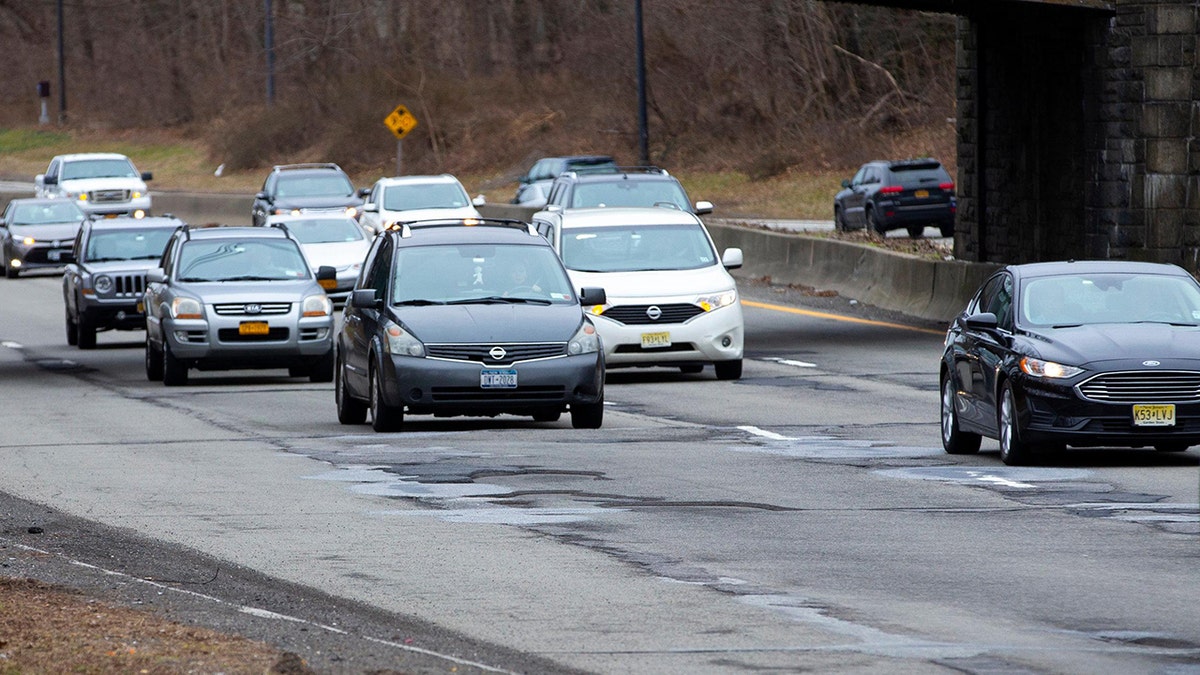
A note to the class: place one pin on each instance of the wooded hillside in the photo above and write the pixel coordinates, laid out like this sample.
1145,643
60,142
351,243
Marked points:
760,85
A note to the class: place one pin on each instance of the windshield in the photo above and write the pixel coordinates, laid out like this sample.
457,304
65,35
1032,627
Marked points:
635,248
314,185
325,230
424,196
142,244
98,168
46,214
469,273
630,193
241,260
1074,300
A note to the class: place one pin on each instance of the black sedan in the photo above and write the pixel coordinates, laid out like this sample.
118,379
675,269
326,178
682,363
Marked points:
1089,353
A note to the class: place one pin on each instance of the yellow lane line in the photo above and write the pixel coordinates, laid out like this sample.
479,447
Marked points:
837,317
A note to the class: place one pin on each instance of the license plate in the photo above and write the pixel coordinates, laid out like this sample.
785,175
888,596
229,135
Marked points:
498,379
1154,415
254,328
55,254
921,194
652,340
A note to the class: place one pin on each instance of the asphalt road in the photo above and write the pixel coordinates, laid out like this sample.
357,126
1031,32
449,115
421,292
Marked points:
802,518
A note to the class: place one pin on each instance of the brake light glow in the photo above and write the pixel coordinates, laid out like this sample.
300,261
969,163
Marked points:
891,189
948,187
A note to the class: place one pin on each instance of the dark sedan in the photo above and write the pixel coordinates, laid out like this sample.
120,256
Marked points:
38,233
1089,353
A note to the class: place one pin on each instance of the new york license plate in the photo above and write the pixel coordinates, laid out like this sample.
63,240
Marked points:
254,328
1154,415
498,379
652,340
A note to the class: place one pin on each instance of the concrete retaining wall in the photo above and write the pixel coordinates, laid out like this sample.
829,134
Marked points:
929,289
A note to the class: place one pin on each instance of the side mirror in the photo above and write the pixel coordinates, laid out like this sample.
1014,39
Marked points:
49,180
327,277
156,276
364,192
479,200
370,207
732,258
703,207
592,296
39,179
260,195
982,321
147,175
67,258
846,182
553,208
364,298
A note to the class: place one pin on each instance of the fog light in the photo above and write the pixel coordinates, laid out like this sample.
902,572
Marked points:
139,214
415,394
121,315
726,341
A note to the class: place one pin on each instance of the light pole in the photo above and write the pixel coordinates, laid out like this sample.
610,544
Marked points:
269,41
62,70
643,132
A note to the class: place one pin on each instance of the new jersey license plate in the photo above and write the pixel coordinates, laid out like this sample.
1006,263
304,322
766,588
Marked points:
652,340
1154,415
498,379
254,328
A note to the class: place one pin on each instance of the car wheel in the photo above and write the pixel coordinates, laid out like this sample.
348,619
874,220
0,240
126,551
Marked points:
728,370
1171,447
548,415
174,371
154,362
1013,450
72,336
85,333
349,409
875,224
916,231
691,369
383,416
587,415
322,369
947,230
954,440
839,221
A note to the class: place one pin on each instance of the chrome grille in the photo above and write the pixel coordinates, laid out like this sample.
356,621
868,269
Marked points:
1143,387
239,308
482,352
109,196
639,314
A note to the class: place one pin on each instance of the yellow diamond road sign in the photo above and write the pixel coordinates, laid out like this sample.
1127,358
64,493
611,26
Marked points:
401,121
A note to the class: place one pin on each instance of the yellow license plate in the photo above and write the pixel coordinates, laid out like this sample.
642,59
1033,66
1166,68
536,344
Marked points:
1154,415
254,328
921,194
652,340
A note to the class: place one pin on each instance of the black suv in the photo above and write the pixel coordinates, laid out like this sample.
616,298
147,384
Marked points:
305,188
535,185
467,317
627,186
889,195
103,284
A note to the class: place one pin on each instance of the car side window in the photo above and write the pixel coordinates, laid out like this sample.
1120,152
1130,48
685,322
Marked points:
52,170
997,298
380,271
860,177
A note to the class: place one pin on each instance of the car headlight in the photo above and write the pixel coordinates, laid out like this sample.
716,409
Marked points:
717,300
402,343
102,283
29,241
585,341
1047,369
352,211
317,305
186,308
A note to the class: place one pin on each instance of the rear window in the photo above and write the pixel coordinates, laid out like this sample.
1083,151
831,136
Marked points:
920,174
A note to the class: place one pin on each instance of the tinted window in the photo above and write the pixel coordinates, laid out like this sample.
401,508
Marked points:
923,174
633,248
467,272
314,185
1109,298
139,244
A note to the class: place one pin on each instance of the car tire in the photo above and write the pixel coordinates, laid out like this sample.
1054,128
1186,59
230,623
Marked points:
174,371
874,223
587,415
1174,446
839,220
383,416
954,440
947,230
321,370
85,332
72,335
1014,451
916,231
548,415
728,370
154,362
349,409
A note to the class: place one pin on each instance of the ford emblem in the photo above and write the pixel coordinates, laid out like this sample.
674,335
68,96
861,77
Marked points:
253,308
497,353
654,312
1151,363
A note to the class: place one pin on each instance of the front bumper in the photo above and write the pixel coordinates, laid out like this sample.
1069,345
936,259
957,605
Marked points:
122,207
1053,412
709,337
447,388
40,255
217,343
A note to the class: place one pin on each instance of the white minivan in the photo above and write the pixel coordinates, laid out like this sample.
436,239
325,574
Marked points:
670,299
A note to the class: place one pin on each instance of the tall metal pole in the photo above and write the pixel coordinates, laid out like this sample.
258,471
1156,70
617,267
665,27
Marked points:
269,40
643,132
62,69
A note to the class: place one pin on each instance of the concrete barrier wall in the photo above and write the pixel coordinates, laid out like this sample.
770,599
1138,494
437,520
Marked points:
929,289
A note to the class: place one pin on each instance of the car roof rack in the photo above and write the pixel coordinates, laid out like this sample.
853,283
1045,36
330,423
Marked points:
406,227
309,165
655,170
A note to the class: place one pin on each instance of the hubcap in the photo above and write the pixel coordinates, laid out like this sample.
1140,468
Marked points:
947,410
1006,422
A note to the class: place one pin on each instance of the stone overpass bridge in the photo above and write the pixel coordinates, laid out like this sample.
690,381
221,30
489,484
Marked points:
1078,128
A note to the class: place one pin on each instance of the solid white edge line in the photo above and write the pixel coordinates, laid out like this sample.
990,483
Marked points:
764,433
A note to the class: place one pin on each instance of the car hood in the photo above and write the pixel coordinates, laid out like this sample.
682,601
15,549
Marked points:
124,266
212,293
645,286
109,183
61,232
428,214
1120,345
491,323
336,254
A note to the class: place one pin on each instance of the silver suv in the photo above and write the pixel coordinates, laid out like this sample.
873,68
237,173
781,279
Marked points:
101,183
104,282
237,298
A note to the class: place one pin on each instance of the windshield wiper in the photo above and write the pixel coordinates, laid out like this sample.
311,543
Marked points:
417,302
499,300
251,277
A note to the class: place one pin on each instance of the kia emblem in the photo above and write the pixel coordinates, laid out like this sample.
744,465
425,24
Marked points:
497,353
654,312
1151,363
253,308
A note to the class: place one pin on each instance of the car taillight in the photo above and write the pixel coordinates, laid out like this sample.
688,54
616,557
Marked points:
948,187
891,189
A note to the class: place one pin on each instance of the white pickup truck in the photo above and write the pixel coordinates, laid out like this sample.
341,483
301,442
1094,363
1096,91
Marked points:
101,183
